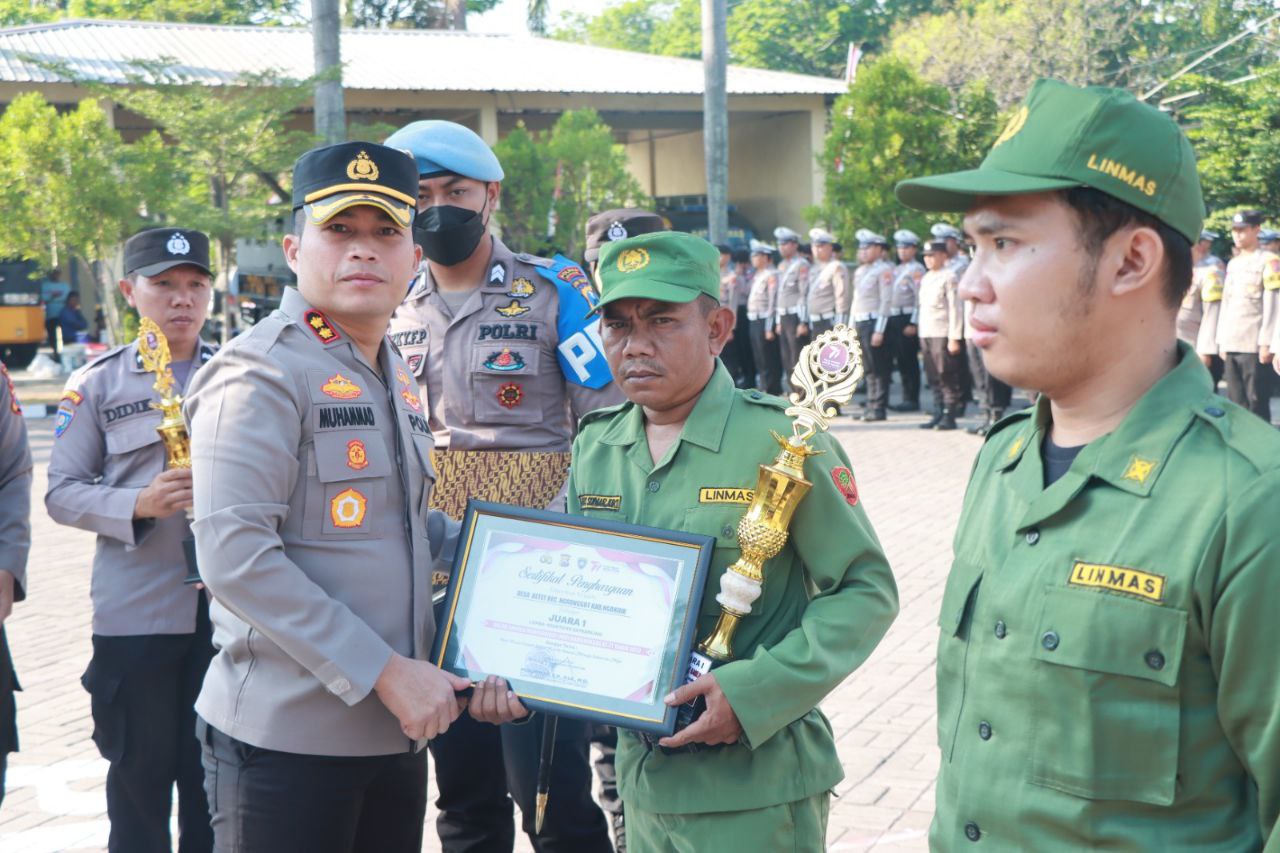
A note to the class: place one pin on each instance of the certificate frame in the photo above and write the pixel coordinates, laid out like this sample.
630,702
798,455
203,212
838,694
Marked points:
532,590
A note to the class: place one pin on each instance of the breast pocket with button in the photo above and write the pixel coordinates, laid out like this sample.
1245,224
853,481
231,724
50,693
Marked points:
503,383
1106,725
132,459
346,486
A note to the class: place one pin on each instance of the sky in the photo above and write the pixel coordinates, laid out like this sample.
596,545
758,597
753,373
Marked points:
509,15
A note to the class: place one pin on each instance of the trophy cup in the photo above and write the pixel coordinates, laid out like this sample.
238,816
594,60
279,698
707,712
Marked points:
153,350
827,374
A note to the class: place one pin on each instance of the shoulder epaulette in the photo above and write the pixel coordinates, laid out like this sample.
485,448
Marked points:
601,414
760,398
533,260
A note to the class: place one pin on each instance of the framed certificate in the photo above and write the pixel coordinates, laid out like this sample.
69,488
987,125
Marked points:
583,618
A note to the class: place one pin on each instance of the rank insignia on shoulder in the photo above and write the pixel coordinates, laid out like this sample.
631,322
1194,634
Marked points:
357,455
609,502
1146,585
504,360
347,508
521,288
410,397
1140,470
321,327
498,273
510,395
341,388
514,309
725,495
843,478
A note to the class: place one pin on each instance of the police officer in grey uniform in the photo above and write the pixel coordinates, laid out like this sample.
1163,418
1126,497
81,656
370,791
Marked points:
505,355
902,332
828,291
15,543
872,296
151,633
1197,322
793,284
1247,316
312,474
940,319
762,315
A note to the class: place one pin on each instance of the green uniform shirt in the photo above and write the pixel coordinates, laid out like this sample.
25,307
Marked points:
1108,675
828,596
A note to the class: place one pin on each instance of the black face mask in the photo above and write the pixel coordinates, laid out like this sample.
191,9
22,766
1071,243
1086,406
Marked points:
447,234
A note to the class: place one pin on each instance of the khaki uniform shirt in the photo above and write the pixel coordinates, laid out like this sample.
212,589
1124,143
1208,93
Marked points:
1107,668
106,452
763,296
873,293
489,374
828,596
828,295
1198,313
793,284
906,287
1245,318
941,312
312,474
15,488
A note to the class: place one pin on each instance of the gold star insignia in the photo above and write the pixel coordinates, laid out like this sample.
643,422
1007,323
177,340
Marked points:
1015,447
1140,469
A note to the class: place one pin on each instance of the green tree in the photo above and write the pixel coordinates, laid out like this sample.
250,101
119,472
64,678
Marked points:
892,125
1235,130
526,191
187,11
591,175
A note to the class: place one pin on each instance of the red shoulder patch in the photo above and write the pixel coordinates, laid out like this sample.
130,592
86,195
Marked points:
843,478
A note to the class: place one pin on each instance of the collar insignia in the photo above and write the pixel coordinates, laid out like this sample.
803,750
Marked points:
320,327
1140,470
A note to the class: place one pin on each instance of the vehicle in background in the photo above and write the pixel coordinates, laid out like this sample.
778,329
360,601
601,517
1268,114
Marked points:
689,213
21,315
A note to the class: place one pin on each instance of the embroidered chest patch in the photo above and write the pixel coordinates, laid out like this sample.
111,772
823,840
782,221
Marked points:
1146,585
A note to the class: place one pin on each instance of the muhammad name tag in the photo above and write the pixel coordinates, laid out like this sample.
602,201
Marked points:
613,502
725,495
1118,579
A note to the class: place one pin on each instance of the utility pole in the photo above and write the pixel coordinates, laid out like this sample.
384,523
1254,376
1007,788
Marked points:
715,118
326,29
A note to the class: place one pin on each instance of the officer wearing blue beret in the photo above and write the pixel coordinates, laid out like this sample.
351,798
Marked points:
506,355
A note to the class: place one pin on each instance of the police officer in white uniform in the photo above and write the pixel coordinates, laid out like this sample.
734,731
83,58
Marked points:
151,633
15,543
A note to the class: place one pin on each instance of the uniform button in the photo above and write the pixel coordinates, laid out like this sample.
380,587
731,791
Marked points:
1049,640
971,831
1215,412
653,485
755,395
1033,536
984,730
1155,659
1001,629
339,686
727,531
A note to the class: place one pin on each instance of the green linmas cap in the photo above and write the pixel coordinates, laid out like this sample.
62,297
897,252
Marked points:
670,266
1065,136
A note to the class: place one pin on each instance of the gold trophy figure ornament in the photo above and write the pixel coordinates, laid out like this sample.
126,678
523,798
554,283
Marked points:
827,374
153,351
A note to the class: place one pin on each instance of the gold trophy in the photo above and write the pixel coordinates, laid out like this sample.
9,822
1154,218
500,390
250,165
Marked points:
153,351
827,374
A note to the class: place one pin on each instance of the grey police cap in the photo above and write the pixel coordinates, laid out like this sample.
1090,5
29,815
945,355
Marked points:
447,148
866,237
903,237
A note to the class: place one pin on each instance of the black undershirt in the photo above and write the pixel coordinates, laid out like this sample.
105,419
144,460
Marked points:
1057,460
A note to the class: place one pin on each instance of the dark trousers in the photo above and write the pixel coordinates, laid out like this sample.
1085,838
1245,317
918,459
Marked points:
767,358
878,366
944,372
477,764
142,694
264,801
8,708
790,342
737,353
906,356
1247,383
993,394
817,327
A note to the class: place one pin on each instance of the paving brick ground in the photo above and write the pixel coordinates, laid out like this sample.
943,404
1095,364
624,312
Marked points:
911,482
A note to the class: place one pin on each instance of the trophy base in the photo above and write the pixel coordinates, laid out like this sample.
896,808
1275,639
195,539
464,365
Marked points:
189,551
699,665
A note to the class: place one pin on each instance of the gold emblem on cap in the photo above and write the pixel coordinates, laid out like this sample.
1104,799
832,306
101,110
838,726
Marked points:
362,168
631,260
1015,124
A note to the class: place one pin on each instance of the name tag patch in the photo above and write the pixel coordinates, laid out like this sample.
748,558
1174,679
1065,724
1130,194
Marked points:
613,502
725,495
1118,579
